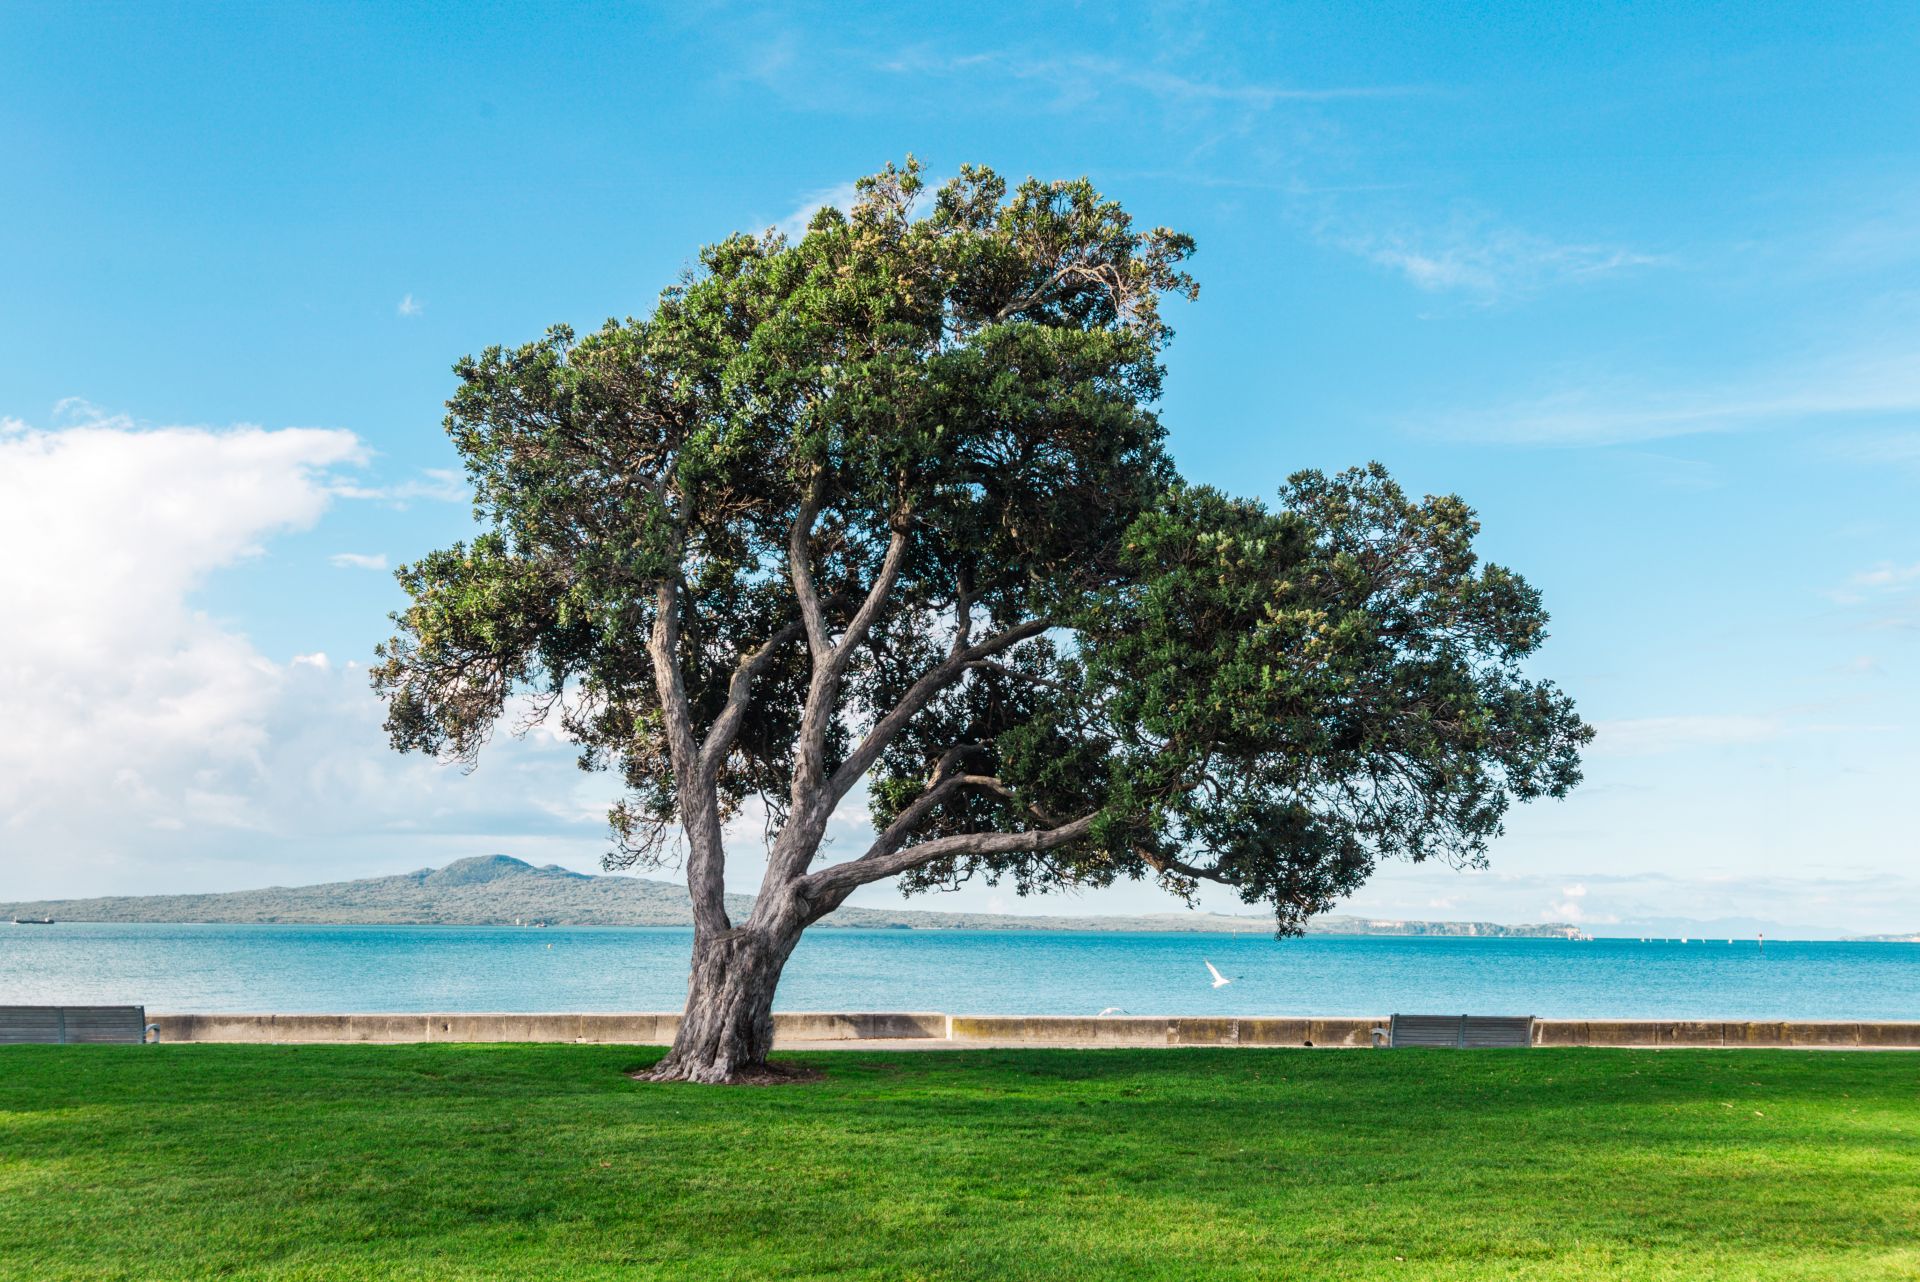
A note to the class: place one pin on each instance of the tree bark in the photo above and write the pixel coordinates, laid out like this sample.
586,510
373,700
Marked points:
726,1030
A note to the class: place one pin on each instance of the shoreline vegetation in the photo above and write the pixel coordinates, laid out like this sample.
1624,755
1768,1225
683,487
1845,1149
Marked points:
498,890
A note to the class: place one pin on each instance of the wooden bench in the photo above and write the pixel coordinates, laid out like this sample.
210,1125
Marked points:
74,1025
1460,1032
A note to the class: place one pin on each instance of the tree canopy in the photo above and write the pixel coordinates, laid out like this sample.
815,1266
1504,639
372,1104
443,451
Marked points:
888,505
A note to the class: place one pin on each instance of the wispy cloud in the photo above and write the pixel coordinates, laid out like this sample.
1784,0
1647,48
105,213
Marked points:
1884,576
794,225
436,484
1654,736
1080,78
408,306
1898,448
359,560
1615,412
1491,263
1284,125
1828,900
1888,579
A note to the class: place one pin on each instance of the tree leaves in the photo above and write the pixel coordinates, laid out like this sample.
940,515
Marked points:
1273,699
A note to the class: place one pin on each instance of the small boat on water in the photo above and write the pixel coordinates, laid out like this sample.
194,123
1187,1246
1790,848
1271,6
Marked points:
33,921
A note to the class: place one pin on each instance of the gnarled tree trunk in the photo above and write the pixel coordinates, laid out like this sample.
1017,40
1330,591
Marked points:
726,1030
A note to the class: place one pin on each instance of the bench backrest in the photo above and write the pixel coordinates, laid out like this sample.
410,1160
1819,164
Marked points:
72,1025
1461,1031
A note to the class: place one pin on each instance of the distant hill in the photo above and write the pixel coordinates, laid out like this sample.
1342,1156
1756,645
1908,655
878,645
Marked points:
489,890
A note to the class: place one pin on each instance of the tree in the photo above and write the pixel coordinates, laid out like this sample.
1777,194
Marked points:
888,506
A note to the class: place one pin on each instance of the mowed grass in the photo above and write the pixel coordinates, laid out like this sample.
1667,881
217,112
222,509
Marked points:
546,1162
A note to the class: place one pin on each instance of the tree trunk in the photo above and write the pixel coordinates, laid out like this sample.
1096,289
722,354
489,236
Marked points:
726,1030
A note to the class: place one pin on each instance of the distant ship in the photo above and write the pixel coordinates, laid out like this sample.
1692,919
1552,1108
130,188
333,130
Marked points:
33,921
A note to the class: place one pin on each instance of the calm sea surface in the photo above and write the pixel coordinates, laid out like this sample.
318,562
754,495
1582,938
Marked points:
454,968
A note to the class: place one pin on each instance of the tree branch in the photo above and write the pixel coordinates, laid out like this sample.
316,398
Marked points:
705,874
962,611
1167,864
876,597
800,567
861,759
830,659
873,866
726,726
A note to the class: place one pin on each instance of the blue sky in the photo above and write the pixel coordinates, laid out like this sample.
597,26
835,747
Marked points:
1641,283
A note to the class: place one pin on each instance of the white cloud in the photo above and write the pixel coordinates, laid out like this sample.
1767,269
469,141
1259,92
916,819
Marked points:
1818,901
110,675
437,484
146,746
840,196
1886,576
408,306
1490,262
359,560
1082,78
1856,385
1652,736
1897,447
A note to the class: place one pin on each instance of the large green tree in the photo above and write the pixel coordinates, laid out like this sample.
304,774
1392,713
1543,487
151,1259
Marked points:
887,506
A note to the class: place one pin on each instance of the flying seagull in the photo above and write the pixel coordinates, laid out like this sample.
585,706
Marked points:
1219,980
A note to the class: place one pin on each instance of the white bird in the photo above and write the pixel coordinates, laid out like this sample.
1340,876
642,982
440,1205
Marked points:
1219,980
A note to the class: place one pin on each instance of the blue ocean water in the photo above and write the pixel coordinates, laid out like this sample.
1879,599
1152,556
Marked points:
475,968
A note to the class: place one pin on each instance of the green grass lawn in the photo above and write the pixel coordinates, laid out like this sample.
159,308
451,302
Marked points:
546,1162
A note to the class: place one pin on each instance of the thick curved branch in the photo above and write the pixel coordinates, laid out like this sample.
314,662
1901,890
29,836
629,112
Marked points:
837,881
726,726
869,610
944,786
800,568
861,759
1167,864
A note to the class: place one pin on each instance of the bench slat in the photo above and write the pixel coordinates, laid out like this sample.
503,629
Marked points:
72,1025
1497,1031
23,1025
1426,1030
1472,1032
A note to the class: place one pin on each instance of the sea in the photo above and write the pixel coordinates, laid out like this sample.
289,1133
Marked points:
208,968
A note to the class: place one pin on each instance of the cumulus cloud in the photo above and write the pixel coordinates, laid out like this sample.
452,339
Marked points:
109,674
141,739
359,560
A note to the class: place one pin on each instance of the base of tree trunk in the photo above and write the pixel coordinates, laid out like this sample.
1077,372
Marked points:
726,1031
772,1073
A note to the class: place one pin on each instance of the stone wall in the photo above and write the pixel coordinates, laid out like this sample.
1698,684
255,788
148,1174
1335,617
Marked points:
1019,1030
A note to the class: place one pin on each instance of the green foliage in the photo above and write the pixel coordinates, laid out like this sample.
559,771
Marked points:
434,1163
1271,699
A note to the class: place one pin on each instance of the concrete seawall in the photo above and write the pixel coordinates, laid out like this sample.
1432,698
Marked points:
929,1030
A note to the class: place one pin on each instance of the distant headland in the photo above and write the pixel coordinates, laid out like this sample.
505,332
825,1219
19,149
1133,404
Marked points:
498,890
